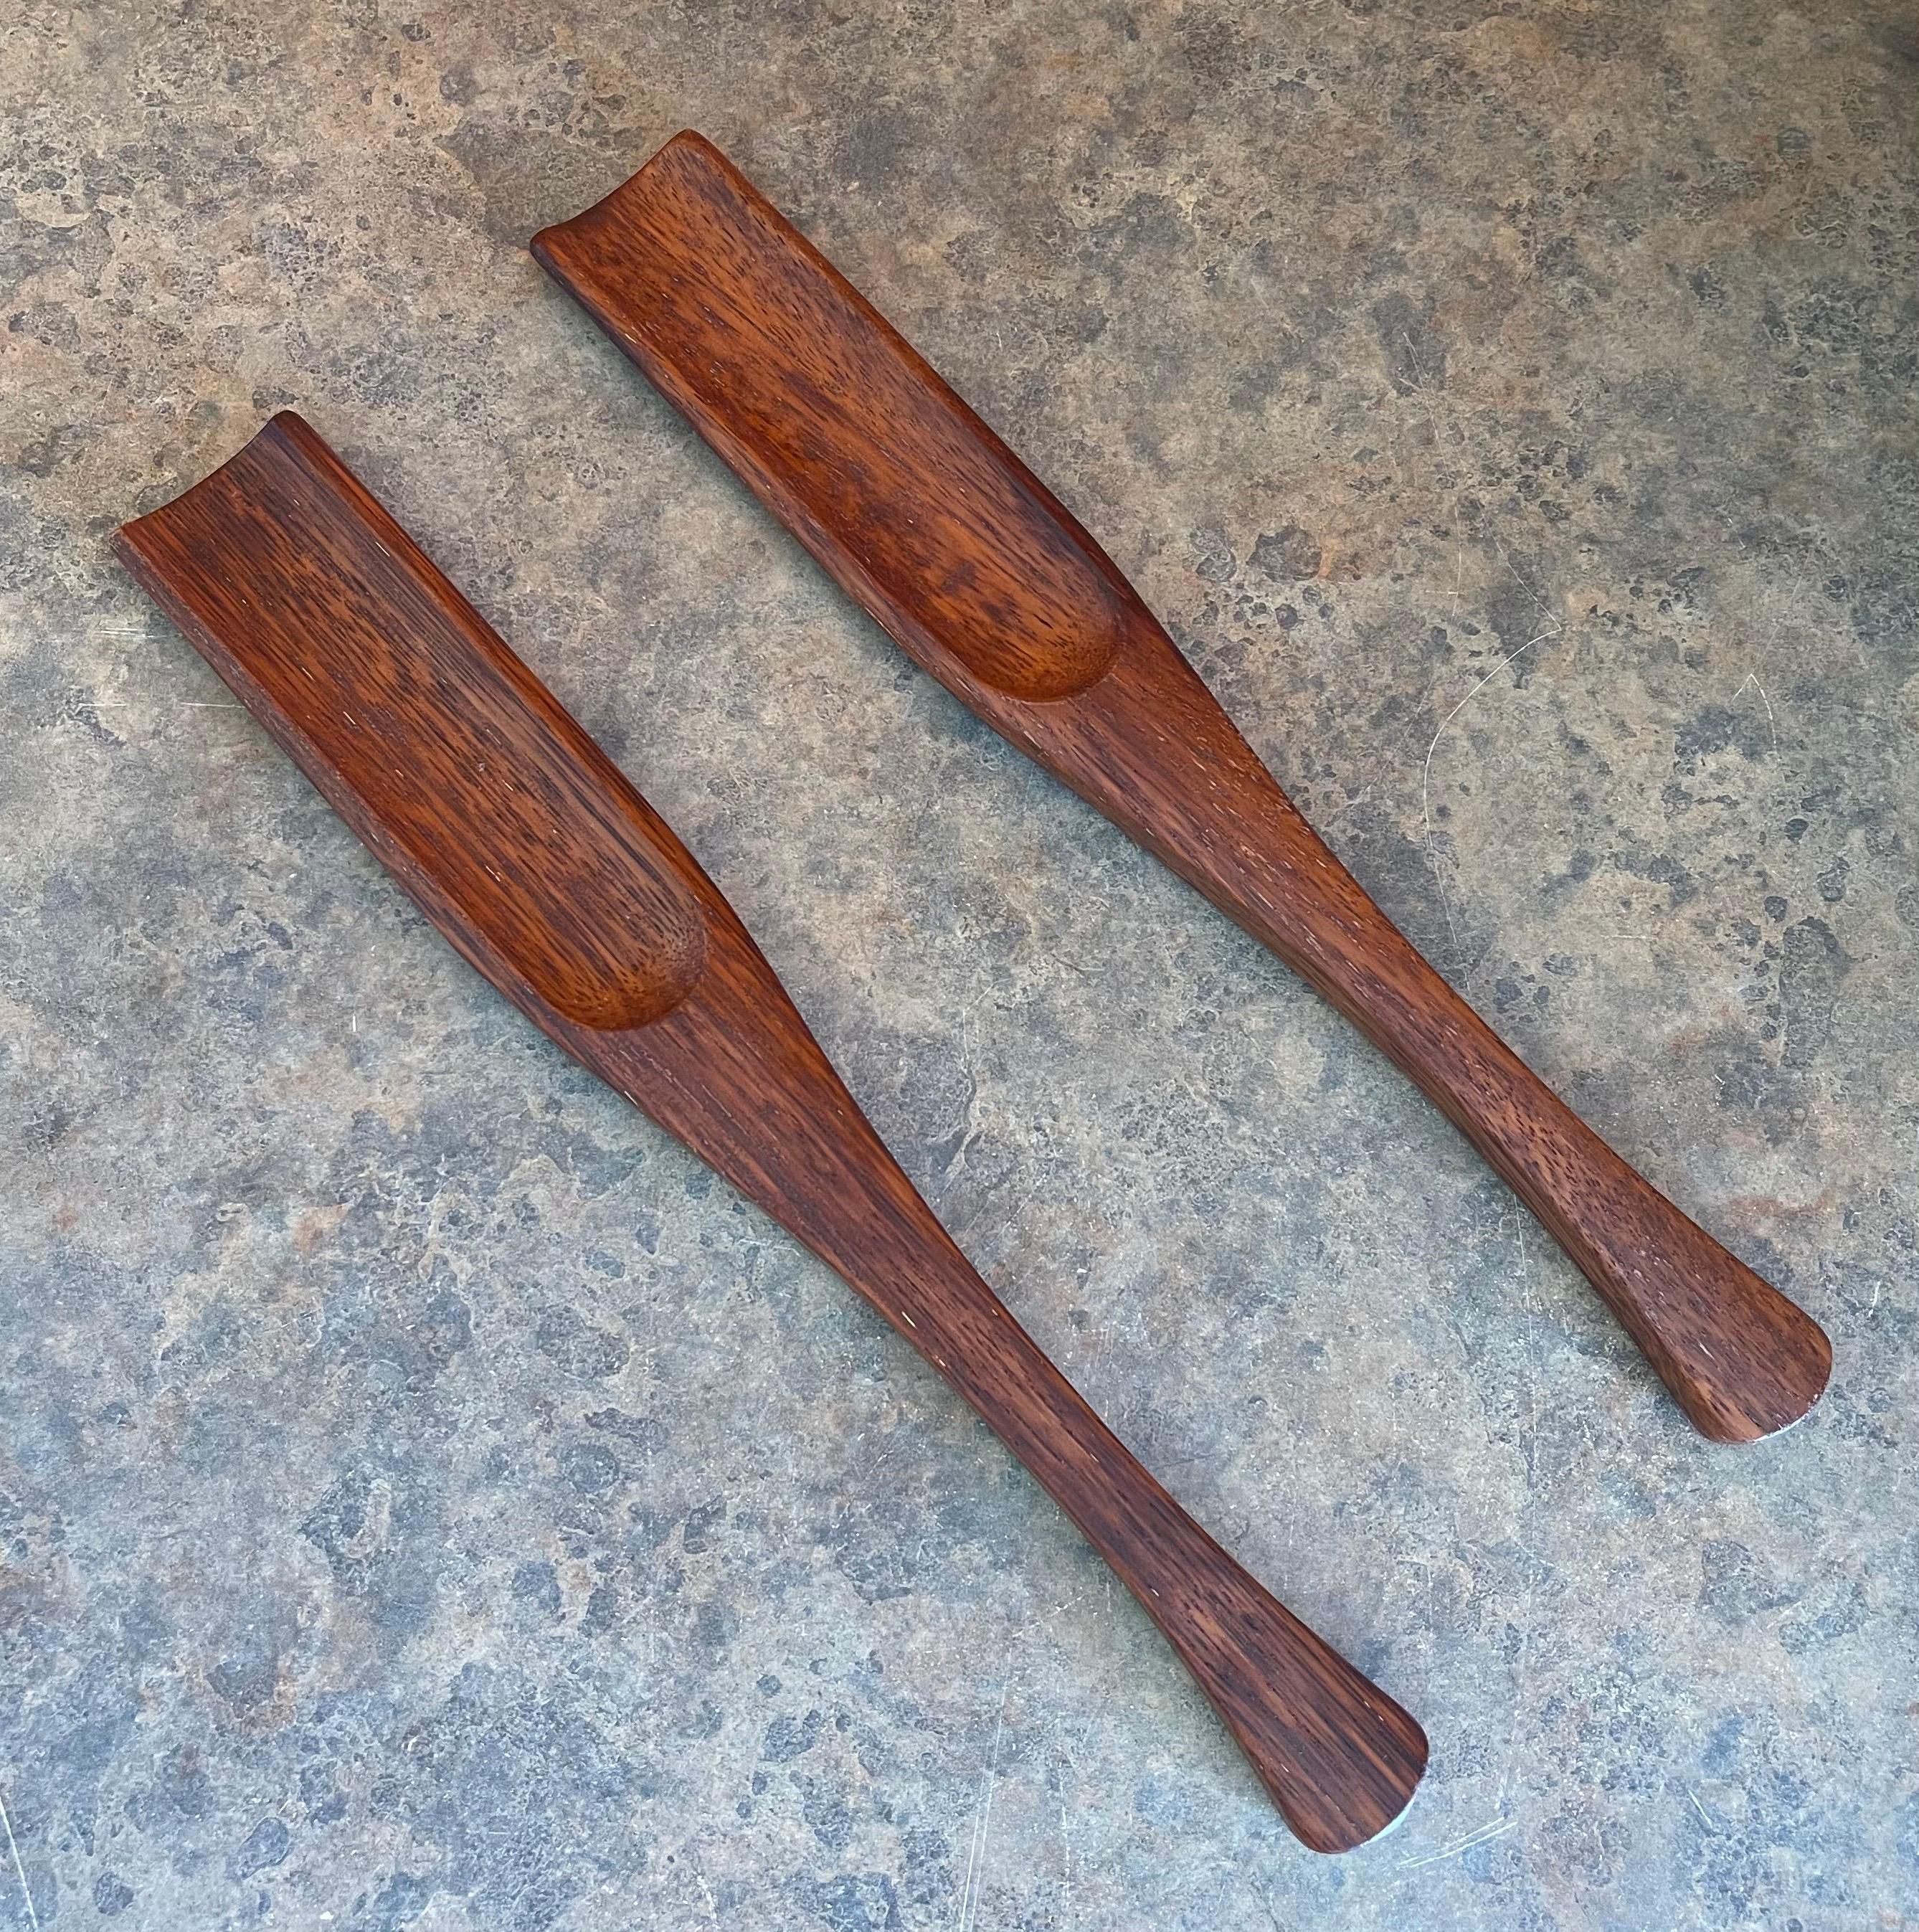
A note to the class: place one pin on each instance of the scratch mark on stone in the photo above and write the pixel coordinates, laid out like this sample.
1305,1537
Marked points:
975,1863
19,1870
1533,597
1425,775
1752,679
1484,1835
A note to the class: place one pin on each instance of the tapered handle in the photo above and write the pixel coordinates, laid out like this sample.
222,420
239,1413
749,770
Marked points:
1152,747
1741,1360
1341,1759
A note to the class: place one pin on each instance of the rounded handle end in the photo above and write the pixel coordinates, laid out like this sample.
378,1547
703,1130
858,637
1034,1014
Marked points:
1761,1367
1363,1783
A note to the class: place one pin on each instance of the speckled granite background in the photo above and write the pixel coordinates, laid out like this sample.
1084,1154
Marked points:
430,1501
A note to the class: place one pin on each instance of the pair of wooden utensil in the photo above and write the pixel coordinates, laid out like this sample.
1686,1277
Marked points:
532,854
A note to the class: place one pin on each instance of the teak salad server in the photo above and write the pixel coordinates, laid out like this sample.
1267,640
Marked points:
532,852
930,522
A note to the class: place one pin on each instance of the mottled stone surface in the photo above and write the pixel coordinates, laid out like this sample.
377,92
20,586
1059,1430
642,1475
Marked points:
429,1500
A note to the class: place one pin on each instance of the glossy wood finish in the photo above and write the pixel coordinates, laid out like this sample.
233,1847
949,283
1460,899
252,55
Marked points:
530,851
926,518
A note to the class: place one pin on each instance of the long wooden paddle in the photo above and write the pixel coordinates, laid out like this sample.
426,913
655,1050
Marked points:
927,519
522,842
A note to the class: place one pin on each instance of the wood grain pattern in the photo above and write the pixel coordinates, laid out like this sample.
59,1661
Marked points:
926,518
528,848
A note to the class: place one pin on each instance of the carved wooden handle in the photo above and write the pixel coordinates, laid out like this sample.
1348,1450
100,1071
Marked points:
1741,1360
532,852
925,517
1340,1758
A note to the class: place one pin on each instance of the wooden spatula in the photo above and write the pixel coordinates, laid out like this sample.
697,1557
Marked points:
552,877
926,518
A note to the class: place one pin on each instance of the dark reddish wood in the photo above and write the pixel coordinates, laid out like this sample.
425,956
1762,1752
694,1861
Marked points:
528,848
926,518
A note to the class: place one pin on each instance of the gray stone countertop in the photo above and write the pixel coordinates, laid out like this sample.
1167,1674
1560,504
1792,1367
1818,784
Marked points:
429,1500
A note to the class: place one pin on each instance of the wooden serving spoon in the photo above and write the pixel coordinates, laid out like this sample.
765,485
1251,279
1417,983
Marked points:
524,843
928,520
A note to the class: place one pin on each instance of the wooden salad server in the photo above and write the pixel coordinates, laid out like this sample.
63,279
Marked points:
928,520
553,878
